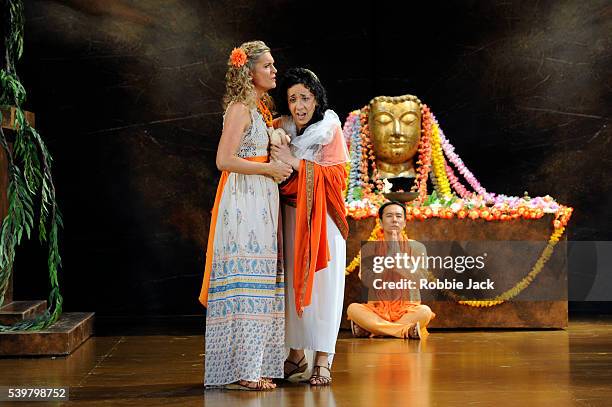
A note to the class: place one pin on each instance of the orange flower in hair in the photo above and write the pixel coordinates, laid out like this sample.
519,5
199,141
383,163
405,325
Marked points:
238,57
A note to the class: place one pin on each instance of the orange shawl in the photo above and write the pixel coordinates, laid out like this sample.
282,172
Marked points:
315,192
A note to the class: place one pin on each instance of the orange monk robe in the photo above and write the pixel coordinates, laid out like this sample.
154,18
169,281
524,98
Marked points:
392,305
316,191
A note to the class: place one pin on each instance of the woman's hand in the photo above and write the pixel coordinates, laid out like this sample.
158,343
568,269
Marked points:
279,171
278,136
283,153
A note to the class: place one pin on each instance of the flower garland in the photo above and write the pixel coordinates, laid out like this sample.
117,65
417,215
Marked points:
362,198
366,207
265,112
376,231
352,135
376,183
449,151
456,184
424,161
439,164
560,221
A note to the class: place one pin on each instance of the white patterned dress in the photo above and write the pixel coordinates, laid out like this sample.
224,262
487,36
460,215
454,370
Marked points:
245,332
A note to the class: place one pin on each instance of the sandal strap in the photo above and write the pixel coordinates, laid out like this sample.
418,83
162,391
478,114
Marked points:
298,364
253,385
319,368
298,368
318,375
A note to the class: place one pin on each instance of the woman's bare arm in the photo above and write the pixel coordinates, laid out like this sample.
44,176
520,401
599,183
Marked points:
237,121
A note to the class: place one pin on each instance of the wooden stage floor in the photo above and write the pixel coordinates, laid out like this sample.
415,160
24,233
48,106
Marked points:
558,368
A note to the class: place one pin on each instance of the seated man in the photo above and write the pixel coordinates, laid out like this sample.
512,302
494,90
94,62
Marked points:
396,312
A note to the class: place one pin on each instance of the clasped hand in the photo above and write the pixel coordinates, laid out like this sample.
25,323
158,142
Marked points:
281,152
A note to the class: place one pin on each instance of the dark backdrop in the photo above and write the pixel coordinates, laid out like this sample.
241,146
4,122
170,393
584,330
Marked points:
127,94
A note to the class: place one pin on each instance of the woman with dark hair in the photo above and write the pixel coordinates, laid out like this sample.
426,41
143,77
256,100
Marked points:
314,224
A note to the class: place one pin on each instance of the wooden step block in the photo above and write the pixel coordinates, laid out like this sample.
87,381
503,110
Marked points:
16,311
61,338
9,118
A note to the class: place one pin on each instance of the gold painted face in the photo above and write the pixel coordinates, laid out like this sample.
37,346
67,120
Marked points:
395,129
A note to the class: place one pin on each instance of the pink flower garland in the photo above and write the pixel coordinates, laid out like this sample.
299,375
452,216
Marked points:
449,151
456,184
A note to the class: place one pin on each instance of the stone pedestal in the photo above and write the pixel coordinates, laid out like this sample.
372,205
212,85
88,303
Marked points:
534,308
15,311
61,338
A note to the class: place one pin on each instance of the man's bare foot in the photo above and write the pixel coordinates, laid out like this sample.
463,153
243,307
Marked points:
415,331
359,332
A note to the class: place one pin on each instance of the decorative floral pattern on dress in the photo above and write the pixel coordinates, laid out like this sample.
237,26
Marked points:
255,141
264,216
239,217
253,246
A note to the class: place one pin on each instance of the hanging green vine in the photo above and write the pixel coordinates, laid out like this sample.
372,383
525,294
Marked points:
30,183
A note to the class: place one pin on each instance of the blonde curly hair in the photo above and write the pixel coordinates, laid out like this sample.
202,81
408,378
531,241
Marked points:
239,85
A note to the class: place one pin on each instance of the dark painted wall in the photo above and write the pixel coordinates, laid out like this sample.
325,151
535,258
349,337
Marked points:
127,94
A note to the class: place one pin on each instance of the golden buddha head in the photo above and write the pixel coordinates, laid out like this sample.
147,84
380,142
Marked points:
395,130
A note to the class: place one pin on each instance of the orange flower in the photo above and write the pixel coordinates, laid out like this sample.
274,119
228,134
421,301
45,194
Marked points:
238,57
447,213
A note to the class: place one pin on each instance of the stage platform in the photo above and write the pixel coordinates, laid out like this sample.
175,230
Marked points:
571,367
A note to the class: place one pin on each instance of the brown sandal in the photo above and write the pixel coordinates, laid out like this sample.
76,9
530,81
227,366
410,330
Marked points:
317,379
299,368
259,385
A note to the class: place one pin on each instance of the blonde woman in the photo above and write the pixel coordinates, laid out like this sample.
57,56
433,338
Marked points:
243,286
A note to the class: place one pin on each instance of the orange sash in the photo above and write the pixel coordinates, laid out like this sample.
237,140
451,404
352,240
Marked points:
213,224
315,192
